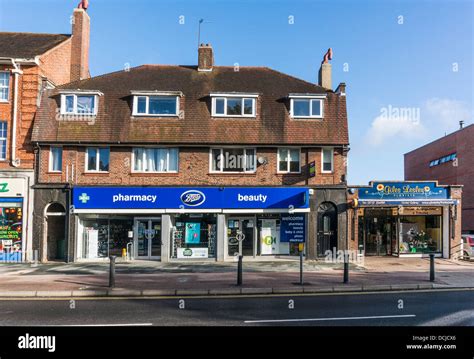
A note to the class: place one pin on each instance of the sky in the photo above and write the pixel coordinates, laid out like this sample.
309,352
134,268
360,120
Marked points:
407,64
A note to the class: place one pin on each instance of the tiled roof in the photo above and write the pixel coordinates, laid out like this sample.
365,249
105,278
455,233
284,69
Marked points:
28,45
114,122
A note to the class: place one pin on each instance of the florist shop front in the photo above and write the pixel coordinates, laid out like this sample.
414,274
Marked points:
407,219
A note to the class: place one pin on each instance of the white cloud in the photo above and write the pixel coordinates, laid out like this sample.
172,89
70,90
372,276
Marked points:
394,125
447,113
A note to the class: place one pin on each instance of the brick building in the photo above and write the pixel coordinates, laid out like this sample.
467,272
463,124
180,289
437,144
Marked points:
448,160
200,162
30,64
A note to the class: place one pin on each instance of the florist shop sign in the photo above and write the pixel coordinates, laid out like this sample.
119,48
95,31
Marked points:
402,190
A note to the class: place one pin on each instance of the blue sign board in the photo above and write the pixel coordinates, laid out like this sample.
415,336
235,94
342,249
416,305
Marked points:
292,228
400,191
188,198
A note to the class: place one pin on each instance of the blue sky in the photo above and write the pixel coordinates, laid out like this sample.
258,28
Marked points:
407,64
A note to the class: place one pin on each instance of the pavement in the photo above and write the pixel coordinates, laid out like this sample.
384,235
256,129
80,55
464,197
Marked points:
151,278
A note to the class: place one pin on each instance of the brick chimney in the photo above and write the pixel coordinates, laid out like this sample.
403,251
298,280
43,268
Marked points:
80,45
205,57
324,76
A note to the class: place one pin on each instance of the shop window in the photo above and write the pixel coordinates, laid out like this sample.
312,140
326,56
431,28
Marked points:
270,239
420,234
11,228
102,237
194,236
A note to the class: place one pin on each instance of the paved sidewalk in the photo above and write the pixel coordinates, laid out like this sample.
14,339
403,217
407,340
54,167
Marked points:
155,278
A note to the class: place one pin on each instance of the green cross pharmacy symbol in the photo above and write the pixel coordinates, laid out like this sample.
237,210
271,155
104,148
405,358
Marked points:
84,197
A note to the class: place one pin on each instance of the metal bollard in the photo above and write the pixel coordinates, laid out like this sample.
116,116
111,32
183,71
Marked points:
112,271
301,267
346,268
432,268
239,270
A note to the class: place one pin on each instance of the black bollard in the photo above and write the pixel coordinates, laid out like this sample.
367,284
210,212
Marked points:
239,271
432,268
346,268
112,271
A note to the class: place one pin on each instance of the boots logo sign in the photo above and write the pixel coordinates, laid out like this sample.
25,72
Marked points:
193,198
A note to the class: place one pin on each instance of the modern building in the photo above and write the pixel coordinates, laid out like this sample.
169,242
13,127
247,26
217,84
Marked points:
30,64
406,219
193,163
448,160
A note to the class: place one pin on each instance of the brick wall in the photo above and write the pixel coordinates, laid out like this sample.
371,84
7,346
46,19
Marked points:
193,170
55,66
460,172
56,63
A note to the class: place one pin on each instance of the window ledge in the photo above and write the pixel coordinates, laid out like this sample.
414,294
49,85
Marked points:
289,173
54,172
154,174
233,117
136,116
232,173
99,173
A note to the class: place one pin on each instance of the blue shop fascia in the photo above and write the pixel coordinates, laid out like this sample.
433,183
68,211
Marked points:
188,223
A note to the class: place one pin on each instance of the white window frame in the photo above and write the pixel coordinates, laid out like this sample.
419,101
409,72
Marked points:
156,148
74,112
7,87
225,97
288,162
147,105
4,139
97,170
322,159
50,166
310,99
221,171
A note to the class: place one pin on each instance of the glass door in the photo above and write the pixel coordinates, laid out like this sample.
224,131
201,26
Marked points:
148,238
240,236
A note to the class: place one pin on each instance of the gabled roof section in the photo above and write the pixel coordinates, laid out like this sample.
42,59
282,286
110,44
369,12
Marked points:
272,125
25,45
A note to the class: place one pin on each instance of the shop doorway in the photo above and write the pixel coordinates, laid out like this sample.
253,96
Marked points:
55,222
147,238
327,228
241,236
380,232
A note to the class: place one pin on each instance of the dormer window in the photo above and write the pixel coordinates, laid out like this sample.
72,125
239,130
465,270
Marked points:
79,103
156,103
306,106
233,105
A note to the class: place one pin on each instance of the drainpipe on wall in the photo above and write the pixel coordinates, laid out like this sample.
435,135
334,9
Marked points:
16,72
